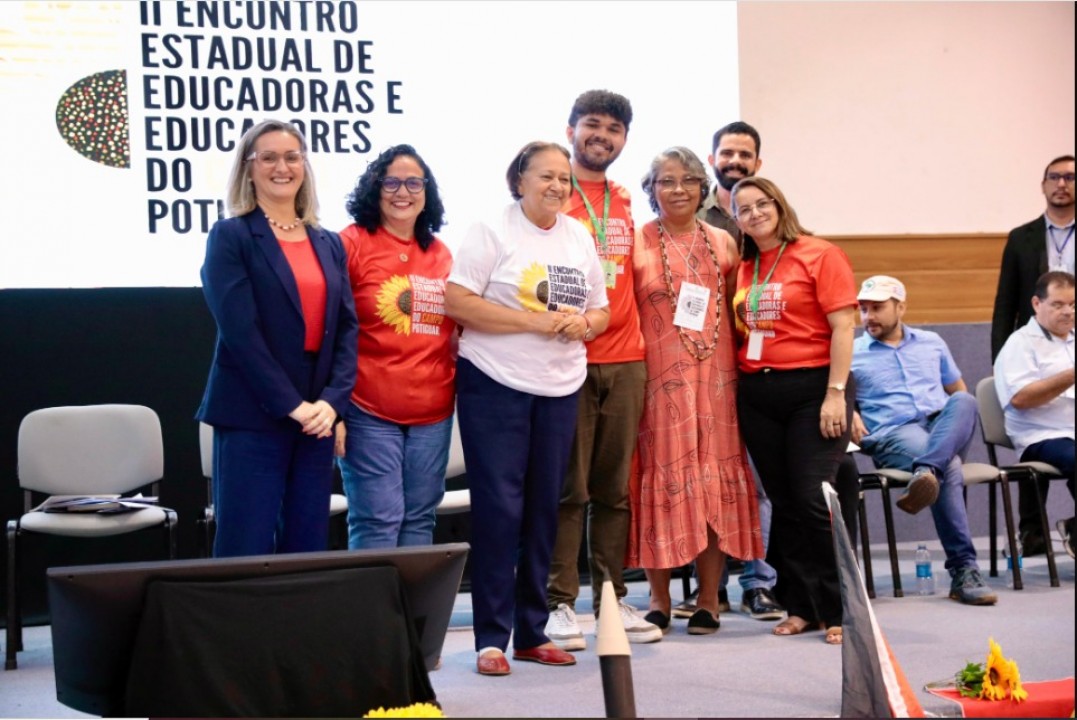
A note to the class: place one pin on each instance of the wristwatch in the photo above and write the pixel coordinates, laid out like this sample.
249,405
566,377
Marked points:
840,387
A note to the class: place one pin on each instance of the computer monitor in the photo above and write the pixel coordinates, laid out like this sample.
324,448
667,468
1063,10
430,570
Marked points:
96,609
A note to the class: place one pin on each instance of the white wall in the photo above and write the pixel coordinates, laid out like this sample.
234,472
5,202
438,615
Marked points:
909,117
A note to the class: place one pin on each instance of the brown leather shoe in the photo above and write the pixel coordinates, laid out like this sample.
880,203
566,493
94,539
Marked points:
545,655
493,663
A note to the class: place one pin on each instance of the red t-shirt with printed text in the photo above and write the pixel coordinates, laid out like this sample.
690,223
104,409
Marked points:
406,366
622,341
812,279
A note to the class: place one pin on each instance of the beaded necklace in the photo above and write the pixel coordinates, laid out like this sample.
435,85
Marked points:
291,226
696,348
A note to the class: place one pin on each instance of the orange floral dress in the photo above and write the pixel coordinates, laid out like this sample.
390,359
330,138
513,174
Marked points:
691,469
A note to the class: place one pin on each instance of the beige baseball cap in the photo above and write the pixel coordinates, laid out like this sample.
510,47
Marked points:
880,288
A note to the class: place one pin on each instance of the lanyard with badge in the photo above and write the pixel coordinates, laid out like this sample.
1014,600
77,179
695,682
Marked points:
609,267
1059,260
755,292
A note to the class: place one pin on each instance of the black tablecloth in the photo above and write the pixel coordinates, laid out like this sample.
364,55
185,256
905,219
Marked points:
319,644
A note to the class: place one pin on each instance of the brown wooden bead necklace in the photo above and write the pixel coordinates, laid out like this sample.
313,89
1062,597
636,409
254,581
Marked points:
696,348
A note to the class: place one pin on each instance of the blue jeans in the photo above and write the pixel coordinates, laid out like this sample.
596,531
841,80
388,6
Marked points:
394,477
939,442
757,574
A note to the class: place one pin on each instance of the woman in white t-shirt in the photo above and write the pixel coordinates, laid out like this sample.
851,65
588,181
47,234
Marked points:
528,290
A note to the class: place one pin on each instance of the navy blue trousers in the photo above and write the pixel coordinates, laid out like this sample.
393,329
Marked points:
516,447
1057,452
271,491
271,488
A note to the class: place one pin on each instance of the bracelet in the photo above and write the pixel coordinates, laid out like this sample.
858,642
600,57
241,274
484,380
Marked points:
590,334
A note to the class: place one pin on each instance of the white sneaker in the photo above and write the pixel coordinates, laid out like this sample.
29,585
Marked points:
563,630
637,629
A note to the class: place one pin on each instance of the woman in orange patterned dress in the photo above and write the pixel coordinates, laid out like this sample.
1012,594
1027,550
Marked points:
692,492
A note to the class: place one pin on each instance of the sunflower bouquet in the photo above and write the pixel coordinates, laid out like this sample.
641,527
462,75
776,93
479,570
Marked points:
996,679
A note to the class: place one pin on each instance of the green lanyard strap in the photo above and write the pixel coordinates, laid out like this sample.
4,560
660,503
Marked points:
600,230
756,291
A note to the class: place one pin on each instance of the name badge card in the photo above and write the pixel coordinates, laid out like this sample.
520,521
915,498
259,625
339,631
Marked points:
610,270
755,345
691,306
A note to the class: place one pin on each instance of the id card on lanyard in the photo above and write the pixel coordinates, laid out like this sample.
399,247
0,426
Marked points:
609,267
1057,261
755,292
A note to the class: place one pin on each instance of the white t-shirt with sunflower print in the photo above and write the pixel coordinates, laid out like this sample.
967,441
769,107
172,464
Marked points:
514,263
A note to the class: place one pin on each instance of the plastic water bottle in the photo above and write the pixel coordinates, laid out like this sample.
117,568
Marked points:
1009,561
925,578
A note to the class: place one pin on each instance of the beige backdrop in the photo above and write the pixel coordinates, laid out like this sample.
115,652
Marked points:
908,117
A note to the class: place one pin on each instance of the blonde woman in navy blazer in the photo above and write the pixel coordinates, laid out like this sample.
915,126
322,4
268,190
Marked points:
284,363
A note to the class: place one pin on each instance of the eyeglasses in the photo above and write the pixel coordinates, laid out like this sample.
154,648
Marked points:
745,211
268,158
414,185
688,183
1053,177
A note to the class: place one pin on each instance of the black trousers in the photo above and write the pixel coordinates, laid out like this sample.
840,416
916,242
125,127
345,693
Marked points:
779,420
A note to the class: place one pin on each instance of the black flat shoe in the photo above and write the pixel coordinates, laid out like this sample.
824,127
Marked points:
703,623
659,618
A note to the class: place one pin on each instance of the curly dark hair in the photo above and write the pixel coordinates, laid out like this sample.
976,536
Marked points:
363,201
601,102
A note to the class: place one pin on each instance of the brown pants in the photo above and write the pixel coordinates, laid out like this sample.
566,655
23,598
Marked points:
607,427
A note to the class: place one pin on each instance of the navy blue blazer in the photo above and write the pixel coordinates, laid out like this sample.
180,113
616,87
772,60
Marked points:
259,373
1024,259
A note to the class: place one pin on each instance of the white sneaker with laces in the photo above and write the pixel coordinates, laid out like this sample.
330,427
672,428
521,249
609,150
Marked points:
637,629
563,630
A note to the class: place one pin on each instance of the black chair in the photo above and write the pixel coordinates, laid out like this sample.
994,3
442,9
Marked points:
883,479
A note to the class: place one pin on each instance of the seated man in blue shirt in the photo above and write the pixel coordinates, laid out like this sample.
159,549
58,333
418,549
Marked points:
915,414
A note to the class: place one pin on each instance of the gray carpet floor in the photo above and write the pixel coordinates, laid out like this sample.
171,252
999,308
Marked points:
742,671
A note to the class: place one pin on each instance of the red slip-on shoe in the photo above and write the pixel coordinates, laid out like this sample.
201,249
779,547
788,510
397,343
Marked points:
493,663
545,655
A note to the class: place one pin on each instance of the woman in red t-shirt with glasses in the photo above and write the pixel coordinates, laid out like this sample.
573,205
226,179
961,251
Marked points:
796,309
394,442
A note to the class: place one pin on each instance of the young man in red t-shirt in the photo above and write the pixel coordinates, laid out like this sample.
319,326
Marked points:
611,399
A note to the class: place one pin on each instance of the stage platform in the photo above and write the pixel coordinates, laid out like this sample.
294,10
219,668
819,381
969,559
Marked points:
742,671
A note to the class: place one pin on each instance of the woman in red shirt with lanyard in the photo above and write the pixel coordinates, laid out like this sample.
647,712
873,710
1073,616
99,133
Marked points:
796,308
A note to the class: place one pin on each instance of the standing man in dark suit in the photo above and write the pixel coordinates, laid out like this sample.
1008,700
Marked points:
1032,249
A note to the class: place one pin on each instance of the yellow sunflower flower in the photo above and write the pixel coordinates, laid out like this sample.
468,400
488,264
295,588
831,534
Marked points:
418,710
1001,677
996,673
1017,692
